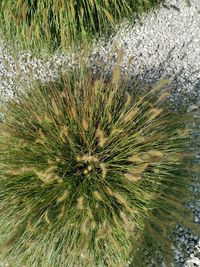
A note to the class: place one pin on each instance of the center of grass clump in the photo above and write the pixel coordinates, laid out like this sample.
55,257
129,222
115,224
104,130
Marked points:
87,168
87,164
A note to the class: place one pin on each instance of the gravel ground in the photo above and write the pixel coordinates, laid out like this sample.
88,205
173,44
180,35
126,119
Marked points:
163,44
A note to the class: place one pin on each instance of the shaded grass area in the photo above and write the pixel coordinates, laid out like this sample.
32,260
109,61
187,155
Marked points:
51,24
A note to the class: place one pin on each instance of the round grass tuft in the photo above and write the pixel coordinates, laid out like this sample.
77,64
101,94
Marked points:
50,24
92,172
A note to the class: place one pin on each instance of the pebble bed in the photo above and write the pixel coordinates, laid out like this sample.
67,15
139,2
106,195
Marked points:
163,44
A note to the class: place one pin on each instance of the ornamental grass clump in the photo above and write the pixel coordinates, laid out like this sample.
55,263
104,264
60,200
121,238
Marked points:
51,24
92,172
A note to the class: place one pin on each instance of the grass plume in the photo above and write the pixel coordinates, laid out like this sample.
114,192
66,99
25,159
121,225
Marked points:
81,188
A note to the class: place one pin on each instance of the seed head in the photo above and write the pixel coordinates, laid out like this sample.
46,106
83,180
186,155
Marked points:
131,114
101,136
46,217
80,204
131,177
63,197
97,195
104,170
84,124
